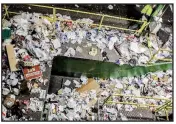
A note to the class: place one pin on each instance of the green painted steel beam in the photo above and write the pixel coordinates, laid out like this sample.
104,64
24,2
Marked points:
158,9
75,67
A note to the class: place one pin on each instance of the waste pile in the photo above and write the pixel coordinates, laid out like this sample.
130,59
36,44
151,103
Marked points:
44,39
70,104
35,41
153,85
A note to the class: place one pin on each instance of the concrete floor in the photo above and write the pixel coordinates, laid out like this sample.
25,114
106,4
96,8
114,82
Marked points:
112,54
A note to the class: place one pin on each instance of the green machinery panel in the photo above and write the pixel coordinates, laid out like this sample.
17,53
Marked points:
75,67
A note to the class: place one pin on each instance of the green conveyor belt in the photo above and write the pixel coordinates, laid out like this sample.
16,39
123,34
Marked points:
75,67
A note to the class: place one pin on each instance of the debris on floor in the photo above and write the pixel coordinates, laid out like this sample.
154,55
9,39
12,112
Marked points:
35,41
110,7
93,52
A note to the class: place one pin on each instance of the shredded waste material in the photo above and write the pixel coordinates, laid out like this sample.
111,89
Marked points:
36,41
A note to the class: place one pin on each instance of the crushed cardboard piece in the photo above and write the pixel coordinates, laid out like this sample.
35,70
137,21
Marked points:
32,73
91,85
11,57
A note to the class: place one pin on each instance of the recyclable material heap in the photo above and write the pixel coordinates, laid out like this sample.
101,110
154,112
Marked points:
36,41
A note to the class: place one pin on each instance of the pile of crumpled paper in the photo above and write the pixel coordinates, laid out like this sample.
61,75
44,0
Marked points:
73,105
70,105
44,39
37,41
154,85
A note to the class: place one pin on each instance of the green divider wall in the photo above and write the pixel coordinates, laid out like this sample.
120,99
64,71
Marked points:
75,67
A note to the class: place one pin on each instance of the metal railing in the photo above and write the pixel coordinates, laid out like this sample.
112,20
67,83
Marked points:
100,25
145,97
153,56
166,106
